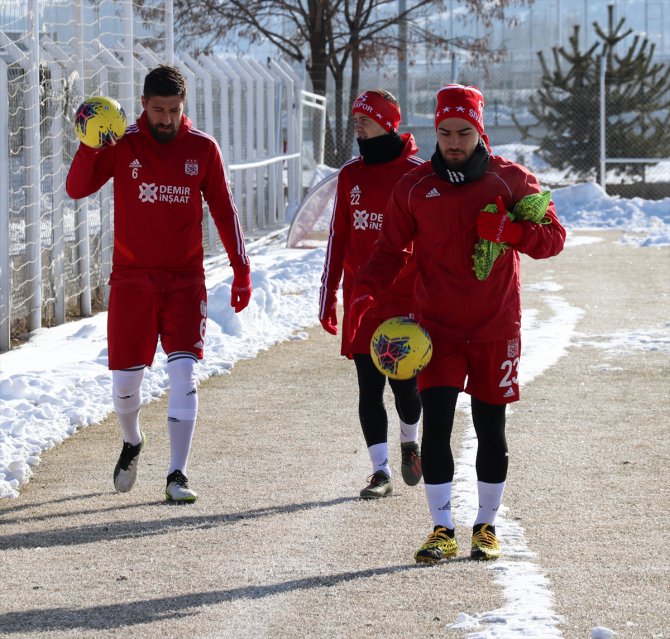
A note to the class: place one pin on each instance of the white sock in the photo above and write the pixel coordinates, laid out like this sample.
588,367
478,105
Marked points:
439,502
490,498
409,432
127,399
181,436
182,410
379,456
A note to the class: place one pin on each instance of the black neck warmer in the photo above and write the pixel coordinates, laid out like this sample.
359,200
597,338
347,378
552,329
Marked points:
470,171
381,149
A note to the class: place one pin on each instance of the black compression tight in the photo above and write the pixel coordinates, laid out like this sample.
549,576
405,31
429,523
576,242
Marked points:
489,423
437,460
371,409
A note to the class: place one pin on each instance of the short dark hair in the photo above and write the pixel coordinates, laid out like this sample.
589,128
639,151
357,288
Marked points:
165,81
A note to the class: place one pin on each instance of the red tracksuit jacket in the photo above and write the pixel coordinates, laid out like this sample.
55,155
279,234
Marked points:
358,217
158,191
440,219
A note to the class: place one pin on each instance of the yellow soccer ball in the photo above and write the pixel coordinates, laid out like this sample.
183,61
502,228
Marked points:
100,121
401,348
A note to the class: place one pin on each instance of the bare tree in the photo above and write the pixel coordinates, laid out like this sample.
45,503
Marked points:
329,36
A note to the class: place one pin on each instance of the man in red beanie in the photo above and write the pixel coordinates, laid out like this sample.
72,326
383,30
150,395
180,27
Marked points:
445,207
363,187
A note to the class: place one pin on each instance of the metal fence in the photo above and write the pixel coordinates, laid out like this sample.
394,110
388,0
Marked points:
509,83
55,253
508,87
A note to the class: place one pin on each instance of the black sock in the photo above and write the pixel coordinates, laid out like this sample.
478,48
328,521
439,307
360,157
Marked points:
449,531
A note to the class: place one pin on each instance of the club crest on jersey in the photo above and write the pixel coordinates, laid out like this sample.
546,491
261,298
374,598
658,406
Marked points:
513,347
191,167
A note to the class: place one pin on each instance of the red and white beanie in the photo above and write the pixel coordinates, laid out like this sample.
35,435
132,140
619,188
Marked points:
458,101
378,108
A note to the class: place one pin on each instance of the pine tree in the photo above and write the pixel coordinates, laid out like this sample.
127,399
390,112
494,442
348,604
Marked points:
567,105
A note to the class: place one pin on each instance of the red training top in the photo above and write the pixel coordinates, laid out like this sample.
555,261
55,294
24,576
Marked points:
440,218
358,216
158,203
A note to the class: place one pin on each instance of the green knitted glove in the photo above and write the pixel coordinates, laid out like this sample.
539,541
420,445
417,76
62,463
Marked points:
531,208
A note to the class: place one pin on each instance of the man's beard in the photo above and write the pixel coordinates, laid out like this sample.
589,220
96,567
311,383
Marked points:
455,163
163,134
458,170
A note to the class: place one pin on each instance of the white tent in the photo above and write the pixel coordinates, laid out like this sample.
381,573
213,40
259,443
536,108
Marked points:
311,222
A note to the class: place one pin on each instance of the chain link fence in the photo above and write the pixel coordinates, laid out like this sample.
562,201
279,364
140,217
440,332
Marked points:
510,84
508,88
55,253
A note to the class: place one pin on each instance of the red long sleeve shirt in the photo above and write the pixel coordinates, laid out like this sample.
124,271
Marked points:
158,191
440,218
359,213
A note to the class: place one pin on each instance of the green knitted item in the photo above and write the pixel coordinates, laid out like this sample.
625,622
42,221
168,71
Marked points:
487,252
531,208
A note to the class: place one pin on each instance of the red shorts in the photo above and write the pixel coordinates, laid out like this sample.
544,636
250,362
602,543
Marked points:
138,318
361,343
486,370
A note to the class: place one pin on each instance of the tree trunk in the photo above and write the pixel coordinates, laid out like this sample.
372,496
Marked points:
354,87
340,155
317,68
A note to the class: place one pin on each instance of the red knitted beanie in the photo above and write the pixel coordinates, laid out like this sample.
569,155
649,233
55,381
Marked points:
458,101
379,109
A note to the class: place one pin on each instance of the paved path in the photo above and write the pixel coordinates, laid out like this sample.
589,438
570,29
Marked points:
279,546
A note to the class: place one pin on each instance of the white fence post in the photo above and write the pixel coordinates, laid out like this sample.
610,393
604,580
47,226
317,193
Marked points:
191,93
235,99
293,136
257,195
57,222
195,70
169,32
109,62
33,174
127,97
315,101
274,170
224,123
81,216
249,147
603,124
5,278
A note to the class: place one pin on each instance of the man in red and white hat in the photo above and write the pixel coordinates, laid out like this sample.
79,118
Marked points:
364,184
474,323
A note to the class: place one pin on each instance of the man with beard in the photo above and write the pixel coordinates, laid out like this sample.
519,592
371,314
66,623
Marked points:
445,207
162,168
364,184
